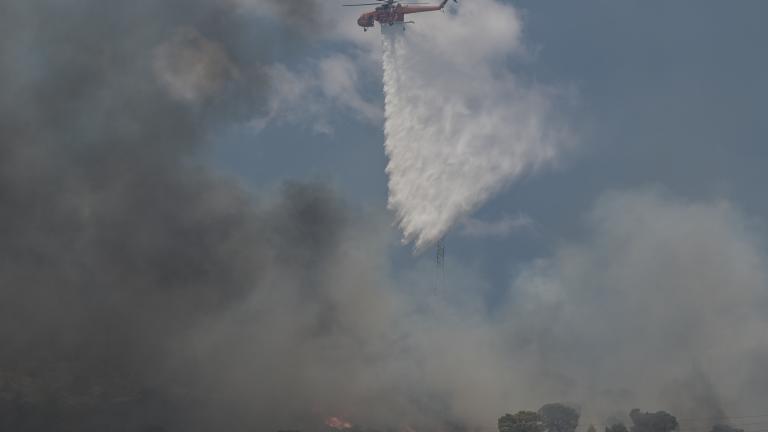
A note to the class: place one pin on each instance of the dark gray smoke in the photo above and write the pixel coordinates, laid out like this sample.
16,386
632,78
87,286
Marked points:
117,247
696,396
140,291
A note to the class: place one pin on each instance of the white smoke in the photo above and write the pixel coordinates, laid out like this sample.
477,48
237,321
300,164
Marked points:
459,125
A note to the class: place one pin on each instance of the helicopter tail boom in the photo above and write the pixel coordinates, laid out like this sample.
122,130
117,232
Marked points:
414,9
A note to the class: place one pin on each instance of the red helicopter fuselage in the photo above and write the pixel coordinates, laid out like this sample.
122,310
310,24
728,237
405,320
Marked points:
389,15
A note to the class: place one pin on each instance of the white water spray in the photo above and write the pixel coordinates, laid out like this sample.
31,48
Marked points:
459,126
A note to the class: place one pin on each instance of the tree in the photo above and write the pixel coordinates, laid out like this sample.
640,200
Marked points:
523,421
591,428
660,421
557,417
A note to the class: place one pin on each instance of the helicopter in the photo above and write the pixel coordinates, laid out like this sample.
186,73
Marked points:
392,11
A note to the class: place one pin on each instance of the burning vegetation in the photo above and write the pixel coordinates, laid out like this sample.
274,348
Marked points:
338,423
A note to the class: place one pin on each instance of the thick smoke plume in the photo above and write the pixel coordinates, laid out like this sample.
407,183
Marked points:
125,263
663,306
141,291
459,124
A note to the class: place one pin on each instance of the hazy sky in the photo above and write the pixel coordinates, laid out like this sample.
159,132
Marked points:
662,94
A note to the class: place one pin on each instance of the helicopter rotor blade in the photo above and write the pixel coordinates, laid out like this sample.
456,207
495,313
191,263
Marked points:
387,3
371,4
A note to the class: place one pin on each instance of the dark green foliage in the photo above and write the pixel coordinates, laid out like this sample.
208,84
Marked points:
660,421
557,417
523,421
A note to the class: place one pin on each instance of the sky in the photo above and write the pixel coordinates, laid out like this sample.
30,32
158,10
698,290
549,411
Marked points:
221,214
663,95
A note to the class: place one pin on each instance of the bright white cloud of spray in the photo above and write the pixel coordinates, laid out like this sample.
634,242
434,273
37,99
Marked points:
459,125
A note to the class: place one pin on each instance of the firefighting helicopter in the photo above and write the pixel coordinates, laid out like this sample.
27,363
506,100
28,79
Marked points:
392,11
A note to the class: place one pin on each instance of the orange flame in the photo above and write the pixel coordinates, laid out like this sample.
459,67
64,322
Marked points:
338,423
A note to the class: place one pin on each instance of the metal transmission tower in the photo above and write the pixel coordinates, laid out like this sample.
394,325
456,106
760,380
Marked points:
440,255
440,266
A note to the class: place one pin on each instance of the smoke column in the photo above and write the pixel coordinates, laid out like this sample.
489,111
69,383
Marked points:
141,290
459,126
